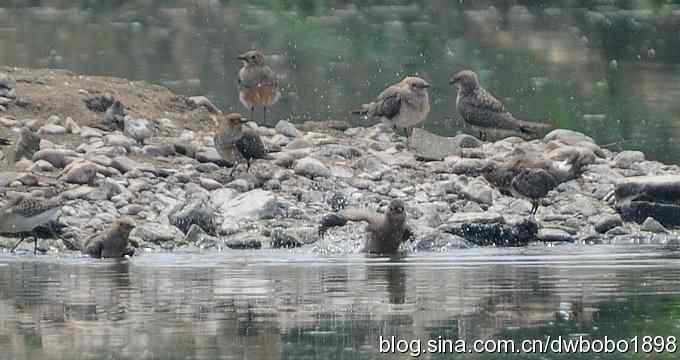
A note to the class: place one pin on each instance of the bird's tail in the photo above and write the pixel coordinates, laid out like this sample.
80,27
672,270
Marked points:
363,110
531,127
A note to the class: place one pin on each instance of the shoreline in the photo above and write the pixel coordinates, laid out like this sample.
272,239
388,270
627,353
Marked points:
177,189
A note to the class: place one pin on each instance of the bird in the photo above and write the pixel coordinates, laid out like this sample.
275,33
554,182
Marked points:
114,117
386,232
403,105
4,142
22,215
257,83
112,243
479,108
234,143
533,185
28,144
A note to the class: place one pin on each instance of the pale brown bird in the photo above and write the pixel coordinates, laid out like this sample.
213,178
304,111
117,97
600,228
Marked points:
479,108
402,105
235,143
113,243
386,231
258,85
22,215
28,144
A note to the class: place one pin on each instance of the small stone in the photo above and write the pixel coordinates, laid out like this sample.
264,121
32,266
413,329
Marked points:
311,168
132,209
554,235
653,226
51,129
80,172
287,129
607,222
209,184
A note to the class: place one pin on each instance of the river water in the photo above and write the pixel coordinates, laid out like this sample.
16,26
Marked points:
300,305
607,68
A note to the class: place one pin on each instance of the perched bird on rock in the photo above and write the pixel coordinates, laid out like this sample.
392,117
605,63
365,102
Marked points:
533,185
28,144
258,85
479,108
22,215
114,117
403,105
234,143
112,243
386,231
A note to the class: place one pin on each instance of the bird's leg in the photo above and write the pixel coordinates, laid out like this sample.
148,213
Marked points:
248,166
231,173
18,243
264,116
35,244
534,207
482,135
252,112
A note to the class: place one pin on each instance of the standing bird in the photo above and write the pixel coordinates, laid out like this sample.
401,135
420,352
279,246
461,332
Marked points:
385,232
113,243
257,83
533,185
403,105
23,216
28,144
234,143
479,108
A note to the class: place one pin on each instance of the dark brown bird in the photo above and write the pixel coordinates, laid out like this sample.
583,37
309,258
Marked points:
386,231
533,185
403,105
479,108
234,143
22,215
113,243
258,85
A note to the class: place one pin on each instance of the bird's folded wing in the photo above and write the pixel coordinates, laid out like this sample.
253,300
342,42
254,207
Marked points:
31,207
251,146
388,106
485,102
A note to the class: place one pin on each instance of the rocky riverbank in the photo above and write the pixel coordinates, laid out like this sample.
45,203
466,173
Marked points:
162,170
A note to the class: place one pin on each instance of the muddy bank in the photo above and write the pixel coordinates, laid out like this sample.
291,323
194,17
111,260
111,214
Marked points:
162,170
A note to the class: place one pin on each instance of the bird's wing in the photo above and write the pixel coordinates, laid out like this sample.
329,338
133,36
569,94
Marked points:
251,146
533,183
253,77
93,246
388,102
485,102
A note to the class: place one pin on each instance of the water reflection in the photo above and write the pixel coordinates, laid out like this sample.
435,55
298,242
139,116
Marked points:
607,69
296,306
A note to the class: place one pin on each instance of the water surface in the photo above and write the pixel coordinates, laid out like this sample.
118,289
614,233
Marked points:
300,305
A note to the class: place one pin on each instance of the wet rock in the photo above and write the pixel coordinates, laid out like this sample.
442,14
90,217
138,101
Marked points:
249,242
653,226
484,234
626,159
293,237
487,217
554,235
607,222
138,129
286,128
429,146
441,241
311,168
252,205
196,236
194,211
156,234
662,188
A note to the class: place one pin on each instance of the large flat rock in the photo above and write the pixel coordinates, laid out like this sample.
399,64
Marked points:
661,188
429,146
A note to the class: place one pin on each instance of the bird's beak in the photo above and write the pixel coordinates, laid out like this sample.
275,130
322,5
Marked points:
244,120
242,57
453,81
425,86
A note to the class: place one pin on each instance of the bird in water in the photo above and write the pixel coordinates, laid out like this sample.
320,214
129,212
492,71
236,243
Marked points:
235,143
112,243
386,231
479,108
533,185
257,82
23,215
403,105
